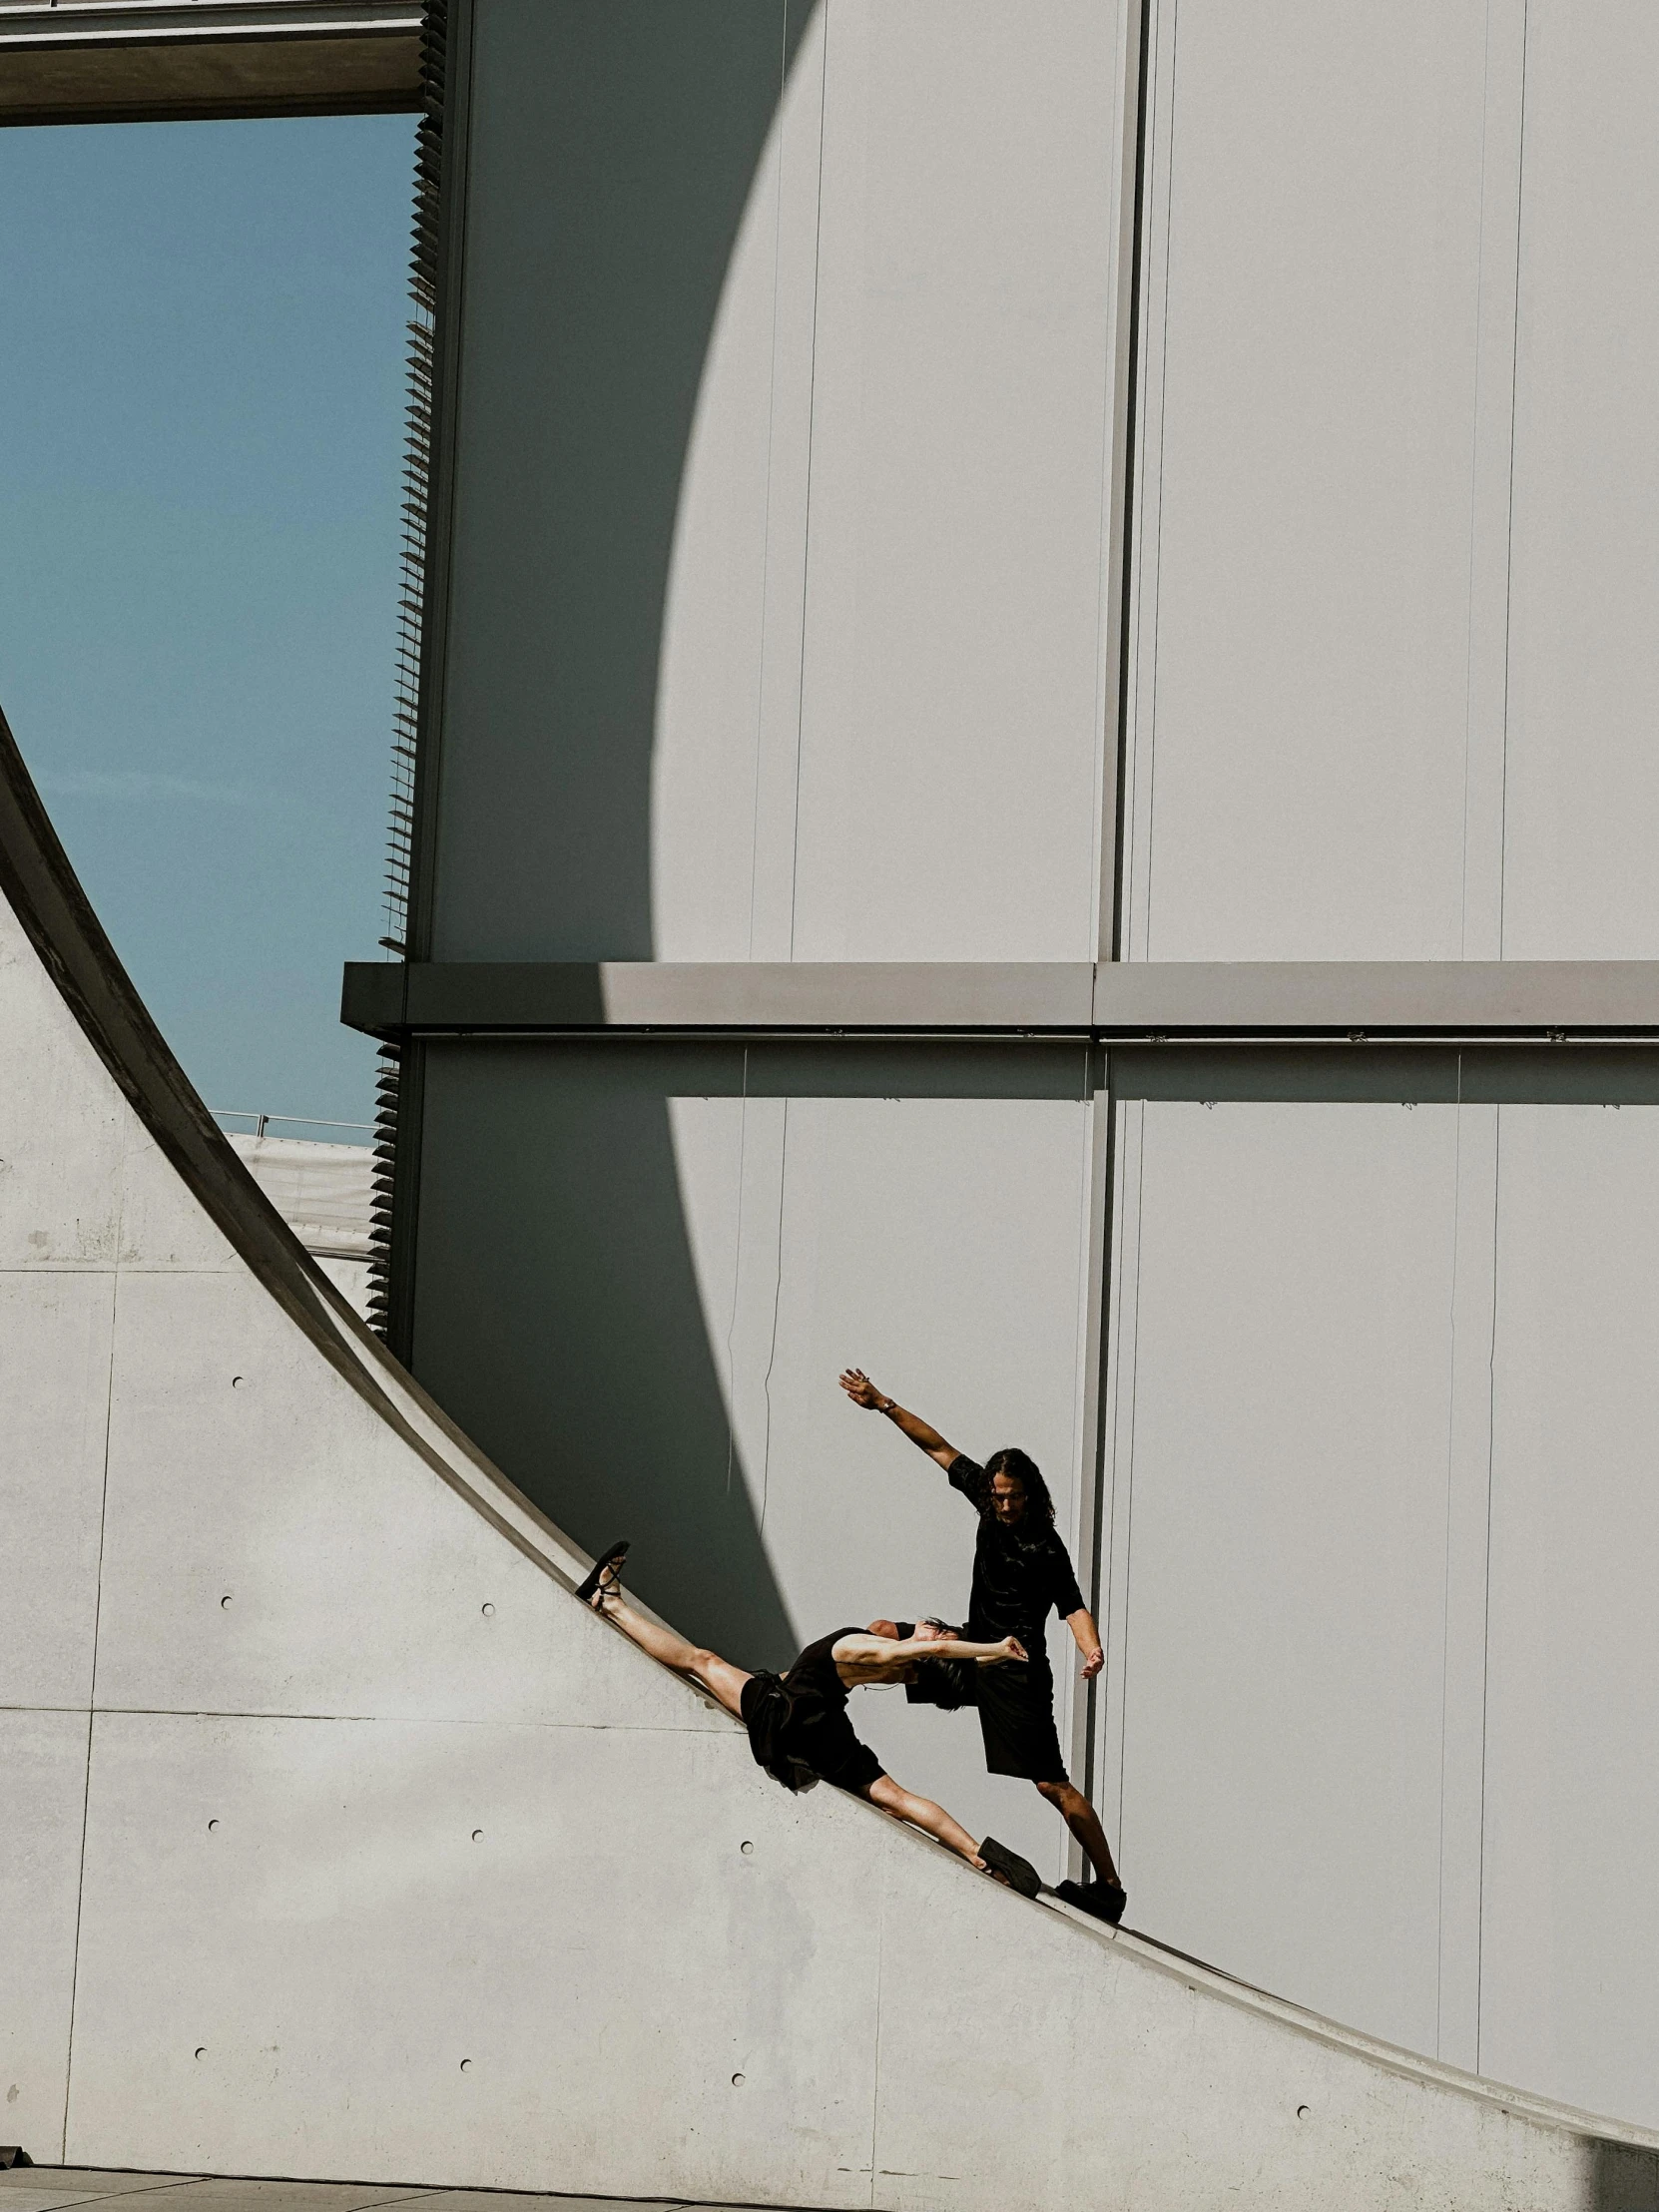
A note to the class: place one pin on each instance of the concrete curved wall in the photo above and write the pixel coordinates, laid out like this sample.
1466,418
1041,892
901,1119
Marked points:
342,1842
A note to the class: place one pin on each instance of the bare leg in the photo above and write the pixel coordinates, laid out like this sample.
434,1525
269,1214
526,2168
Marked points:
719,1677
1084,1823
923,1813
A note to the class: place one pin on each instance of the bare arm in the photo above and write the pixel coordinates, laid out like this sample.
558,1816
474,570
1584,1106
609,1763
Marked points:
1083,1629
886,1651
862,1391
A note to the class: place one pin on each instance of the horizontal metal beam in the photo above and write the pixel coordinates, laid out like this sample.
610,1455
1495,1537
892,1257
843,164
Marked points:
131,61
1529,1001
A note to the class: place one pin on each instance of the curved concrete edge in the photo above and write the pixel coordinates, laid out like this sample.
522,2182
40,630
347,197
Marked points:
46,896
341,1849
1393,2058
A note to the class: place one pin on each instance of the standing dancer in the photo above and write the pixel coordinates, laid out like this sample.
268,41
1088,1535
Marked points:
797,1725
1020,1569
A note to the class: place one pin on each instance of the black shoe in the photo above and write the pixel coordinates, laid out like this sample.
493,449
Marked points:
1102,1900
589,1584
1018,1873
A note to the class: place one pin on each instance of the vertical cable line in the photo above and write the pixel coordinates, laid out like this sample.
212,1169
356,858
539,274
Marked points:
1099,1562
1446,1586
418,463
1131,430
1486,1590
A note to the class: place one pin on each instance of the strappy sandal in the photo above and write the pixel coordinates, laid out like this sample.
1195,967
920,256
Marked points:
605,1571
1018,1873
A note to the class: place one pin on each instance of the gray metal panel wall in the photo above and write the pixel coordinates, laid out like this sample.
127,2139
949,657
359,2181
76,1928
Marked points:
1380,1525
778,627
780,576
1393,668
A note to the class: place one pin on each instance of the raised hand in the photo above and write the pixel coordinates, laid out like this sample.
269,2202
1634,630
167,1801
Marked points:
860,1390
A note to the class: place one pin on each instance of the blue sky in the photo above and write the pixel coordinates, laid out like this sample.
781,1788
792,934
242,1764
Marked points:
201,424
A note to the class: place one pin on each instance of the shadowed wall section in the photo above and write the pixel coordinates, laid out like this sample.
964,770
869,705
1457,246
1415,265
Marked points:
612,150
779,363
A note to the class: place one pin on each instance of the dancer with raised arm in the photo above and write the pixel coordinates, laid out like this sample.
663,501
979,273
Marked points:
1020,1570
796,1721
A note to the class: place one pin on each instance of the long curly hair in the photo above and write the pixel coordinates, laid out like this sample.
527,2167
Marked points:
1020,1467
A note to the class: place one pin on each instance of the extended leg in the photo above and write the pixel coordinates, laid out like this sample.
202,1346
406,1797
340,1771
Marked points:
923,1813
718,1676
1084,1823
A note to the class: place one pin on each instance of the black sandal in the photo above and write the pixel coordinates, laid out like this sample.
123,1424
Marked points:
1102,1900
1018,1873
588,1588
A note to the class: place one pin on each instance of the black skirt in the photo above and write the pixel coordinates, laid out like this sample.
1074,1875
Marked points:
801,1739
1016,1719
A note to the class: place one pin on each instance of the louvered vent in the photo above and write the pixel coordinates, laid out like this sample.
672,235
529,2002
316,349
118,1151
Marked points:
417,453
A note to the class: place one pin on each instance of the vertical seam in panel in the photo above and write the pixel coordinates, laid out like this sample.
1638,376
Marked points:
1487,1599
1509,535
777,1300
1163,420
97,1617
1445,1565
881,1960
807,501
772,423
1129,1493
1101,1101
1080,1706
1131,427
737,1275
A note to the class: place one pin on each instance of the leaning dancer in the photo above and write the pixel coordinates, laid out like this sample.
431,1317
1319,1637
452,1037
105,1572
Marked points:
1020,1570
797,1725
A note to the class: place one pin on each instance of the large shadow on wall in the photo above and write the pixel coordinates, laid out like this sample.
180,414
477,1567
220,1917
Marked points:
572,1342
614,152
557,1314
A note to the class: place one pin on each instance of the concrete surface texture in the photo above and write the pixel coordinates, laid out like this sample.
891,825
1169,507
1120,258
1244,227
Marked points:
47,2188
342,1843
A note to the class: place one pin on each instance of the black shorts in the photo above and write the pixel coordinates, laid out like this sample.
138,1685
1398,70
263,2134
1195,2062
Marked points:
1016,1719
800,1740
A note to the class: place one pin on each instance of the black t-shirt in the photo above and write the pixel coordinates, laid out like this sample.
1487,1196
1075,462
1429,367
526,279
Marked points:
1018,1573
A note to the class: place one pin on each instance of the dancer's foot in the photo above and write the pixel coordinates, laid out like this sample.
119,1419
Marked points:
601,1577
1018,1873
1102,1900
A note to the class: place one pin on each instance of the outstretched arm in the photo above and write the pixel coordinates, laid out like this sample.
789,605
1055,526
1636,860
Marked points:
862,1391
886,1651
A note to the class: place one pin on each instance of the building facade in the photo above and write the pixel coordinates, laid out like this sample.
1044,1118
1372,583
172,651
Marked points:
1035,773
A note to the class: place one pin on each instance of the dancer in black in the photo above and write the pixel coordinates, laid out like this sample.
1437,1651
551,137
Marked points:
798,1723
1021,1572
